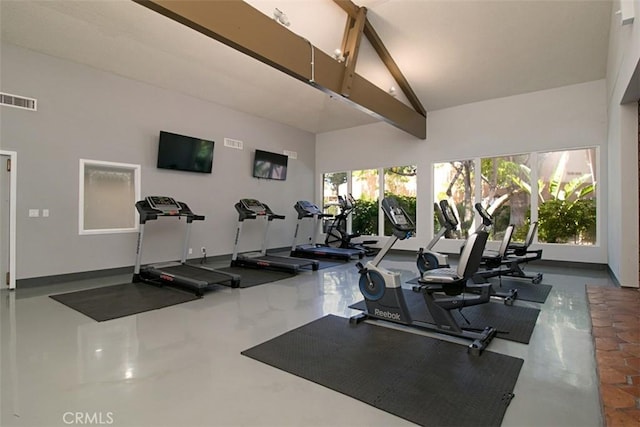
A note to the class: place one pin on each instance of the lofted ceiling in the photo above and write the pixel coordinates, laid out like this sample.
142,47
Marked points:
451,52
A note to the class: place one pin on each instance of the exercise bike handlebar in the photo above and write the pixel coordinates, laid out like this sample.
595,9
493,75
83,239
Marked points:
403,226
450,220
487,219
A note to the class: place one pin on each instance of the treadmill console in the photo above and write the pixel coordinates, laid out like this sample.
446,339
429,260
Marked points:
254,206
153,207
164,204
307,209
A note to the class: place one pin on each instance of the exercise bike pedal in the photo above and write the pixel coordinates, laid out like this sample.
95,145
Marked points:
361,268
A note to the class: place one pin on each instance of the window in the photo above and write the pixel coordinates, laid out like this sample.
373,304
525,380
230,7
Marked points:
108,193
365,189
401,182
506,193
455,181
563,184
334,184
567,197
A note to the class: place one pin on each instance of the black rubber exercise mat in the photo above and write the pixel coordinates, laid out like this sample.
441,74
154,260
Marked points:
112,302
513,323
527,291
421,379
256,276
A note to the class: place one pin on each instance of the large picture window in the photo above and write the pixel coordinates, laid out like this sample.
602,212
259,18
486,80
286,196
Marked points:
455,182
563,182
334,184
401,182
365,188
567,196
108,193
506,193
368,187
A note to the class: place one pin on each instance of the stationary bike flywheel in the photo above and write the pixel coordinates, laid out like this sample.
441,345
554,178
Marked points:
427,261
372,285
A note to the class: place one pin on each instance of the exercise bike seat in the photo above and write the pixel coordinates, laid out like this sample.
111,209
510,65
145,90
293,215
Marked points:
440,275
468,265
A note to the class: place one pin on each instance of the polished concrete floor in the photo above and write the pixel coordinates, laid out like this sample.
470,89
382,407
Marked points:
181,365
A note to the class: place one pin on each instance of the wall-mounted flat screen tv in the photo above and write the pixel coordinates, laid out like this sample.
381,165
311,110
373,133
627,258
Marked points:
184,153
270,165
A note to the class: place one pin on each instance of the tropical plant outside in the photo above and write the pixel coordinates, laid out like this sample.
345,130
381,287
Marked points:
566,194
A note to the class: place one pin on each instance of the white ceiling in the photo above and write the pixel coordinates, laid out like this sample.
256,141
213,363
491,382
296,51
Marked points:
451,52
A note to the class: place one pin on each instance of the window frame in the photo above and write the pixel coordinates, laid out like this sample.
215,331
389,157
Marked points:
83,164
534,159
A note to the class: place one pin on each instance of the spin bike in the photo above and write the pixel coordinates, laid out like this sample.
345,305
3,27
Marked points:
384,295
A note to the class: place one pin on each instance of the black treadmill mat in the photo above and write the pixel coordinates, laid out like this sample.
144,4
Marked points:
513,323
256,276
421,379
112,302
527,291
324,264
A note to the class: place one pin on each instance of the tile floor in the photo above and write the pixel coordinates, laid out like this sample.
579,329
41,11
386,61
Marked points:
181,366
615,319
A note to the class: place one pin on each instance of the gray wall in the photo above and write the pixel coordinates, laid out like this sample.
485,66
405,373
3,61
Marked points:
556,119
86,113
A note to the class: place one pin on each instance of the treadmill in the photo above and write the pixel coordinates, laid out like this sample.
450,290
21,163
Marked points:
254,209
307,209
180,274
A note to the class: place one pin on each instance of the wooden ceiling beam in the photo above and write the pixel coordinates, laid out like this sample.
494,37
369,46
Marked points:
244,28
352,11
351,45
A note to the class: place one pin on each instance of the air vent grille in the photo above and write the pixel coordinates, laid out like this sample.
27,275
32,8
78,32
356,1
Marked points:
233,143
18,101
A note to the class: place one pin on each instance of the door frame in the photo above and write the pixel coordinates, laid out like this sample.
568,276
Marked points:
13,156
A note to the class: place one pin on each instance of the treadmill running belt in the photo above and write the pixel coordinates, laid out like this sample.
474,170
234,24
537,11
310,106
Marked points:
197,273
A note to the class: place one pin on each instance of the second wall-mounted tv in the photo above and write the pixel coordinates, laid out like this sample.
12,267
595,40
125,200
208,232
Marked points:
269,165
184,153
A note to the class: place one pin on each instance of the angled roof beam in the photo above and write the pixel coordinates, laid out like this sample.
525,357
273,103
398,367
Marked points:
240,26
352,11
350,47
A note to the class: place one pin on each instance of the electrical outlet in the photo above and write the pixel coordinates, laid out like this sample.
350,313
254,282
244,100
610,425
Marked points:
190,251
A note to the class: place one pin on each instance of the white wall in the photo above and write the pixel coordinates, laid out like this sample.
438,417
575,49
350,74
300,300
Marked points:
556,119
86,113
624,57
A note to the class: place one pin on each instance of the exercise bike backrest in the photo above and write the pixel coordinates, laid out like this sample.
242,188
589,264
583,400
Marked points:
403,226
